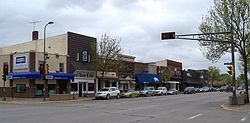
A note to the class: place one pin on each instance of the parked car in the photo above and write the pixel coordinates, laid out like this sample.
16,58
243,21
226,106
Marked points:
230,89
130,93
205,89
161,91
197,90
189,90
223,88
172,91
147,91
108,93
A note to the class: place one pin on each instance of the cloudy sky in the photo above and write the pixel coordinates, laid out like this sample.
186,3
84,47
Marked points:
138,23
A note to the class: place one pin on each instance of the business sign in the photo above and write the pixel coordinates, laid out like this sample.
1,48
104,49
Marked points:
21,61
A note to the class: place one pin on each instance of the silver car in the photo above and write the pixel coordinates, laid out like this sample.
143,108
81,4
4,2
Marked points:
147,91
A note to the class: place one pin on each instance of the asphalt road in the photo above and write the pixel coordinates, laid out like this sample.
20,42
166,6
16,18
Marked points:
195,108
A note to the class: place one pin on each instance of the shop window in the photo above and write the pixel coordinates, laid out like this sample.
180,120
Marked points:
84,87
61,67
74,86
113,84
20,88
52,88
39,89
91,87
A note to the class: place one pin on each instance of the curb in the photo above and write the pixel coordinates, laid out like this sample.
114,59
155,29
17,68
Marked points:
7,102
222,106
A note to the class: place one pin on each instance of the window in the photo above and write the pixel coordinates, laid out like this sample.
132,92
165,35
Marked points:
91,87
20,88
85,56
74,86
61,67
77,56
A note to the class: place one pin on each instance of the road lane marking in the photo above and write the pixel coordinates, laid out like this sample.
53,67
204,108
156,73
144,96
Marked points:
195,116
244,118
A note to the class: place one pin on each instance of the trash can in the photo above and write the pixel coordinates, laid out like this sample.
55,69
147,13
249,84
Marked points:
241,99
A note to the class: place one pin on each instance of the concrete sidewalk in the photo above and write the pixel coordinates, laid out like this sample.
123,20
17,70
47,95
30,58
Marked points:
39,100
236,108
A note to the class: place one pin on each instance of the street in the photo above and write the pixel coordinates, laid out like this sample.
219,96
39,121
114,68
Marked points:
193,108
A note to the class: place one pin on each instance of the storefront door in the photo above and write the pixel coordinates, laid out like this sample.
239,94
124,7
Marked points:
80,89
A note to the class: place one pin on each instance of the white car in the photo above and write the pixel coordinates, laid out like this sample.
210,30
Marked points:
161,91
108,92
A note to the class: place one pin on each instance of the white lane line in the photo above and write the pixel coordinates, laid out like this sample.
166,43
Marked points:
195,116
244,118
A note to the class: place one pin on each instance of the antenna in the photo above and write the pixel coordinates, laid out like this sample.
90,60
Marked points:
34,24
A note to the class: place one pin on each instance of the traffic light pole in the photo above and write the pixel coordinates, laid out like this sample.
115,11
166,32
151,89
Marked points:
234,99
4,98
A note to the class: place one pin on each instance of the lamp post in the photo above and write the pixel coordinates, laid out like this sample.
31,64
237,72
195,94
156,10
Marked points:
44,59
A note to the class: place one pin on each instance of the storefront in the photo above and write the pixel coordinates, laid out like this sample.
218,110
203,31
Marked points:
145,80
84,83
172,85
29,84
126,83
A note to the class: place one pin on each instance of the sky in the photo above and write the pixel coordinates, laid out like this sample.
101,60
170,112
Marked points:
137,23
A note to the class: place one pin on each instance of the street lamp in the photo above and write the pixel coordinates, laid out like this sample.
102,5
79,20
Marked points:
44,59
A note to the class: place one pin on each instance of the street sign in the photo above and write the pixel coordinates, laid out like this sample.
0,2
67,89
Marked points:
227,63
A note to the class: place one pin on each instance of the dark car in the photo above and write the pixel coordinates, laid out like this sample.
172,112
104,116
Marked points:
230,89
189,90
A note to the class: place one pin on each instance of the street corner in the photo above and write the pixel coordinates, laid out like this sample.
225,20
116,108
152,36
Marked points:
235,108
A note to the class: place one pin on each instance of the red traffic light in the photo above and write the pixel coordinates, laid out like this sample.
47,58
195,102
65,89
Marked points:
5,69
41,68
167,35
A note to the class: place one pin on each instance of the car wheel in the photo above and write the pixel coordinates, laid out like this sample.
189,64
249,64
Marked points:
118,96
146,94
108,97
130,96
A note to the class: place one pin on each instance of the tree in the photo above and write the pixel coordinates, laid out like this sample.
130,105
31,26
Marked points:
227,16
107,54
165,75
213,74
226,78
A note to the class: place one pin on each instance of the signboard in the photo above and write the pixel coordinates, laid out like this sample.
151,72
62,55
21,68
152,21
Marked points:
21,61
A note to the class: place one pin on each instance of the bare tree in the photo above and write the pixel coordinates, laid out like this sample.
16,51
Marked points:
107,54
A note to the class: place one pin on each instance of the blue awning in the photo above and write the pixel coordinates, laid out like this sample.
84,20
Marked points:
147,78
37,75
64,76
24,75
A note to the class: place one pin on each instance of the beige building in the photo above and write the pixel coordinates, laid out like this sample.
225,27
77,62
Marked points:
68,54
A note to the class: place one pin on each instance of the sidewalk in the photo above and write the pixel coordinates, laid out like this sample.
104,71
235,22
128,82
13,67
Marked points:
39,100
236,108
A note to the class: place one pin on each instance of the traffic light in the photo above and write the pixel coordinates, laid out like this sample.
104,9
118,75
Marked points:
231,70
167,35
46,69
41,69
4,77
5,69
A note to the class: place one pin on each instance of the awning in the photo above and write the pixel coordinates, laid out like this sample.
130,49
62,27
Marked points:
37,75
64,76
147,78
24,75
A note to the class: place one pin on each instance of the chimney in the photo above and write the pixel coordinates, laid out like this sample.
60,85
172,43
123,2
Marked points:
35,35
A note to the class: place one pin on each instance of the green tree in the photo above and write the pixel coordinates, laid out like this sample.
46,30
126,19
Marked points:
226,78
213,74
107,54
227,16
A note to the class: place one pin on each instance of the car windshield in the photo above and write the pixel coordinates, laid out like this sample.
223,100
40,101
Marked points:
145,88
104,89
160,88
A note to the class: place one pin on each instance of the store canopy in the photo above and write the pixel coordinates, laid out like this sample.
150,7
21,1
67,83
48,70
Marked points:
24,75
37,75
147,78
64,76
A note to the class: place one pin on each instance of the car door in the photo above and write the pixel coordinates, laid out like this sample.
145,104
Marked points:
113,92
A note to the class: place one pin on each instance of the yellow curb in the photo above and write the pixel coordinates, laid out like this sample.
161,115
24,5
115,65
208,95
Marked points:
7,102
62,101
230,109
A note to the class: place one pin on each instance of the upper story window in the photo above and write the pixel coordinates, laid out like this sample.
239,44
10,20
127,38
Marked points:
61,67
77,56
85,56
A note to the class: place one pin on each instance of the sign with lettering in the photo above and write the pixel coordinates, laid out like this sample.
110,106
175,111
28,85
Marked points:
21,61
